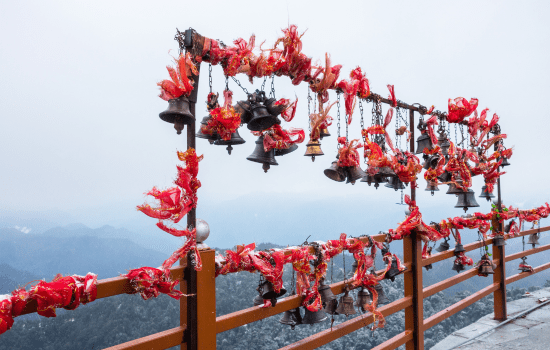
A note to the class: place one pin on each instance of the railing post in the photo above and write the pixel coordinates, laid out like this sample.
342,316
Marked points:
412,253
499,277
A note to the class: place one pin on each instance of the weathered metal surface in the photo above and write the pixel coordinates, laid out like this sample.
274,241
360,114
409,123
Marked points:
522,275
161,340
395,342
338,331
453,309
526,253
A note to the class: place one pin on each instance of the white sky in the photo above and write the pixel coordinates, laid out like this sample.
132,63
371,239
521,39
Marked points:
79,106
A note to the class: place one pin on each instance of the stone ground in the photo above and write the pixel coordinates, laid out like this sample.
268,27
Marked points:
531,331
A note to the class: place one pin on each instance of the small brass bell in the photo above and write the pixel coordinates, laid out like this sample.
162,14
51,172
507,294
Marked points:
258,300
311,317
395,183
486,270
283,151
267,292
326,292
444,246
429,267
382,298
432,187
369,179
466,200
486,194
261,156
363,298
261,119
345,305
178,113
393,271
457,266
498,241
422,142
431,162
236,139
200,134
459,248
443,142
335,172
505,162
524,268
313,149
324,133
291,318
353,174
331,306
533,239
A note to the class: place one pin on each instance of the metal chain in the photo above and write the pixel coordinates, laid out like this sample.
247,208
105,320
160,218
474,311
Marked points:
462,135
210,76
456,137
226,83
263,84
309,108
272,93
239,84
338,113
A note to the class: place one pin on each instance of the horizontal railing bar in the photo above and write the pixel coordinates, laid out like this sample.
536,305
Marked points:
108,287
451,253
256,313
522,275
395,342
531,231
316,340
162,340
526,253
449,282
453,309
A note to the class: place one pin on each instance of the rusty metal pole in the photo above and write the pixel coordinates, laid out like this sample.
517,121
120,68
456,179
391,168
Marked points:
412,253
499,277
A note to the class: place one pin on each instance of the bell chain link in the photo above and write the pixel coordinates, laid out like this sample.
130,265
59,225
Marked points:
239,84
226,83
263,84
338,114
309,108
362,126
210,76
272,93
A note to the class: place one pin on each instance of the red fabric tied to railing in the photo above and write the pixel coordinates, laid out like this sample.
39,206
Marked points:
319,120
278,138
460,108
348,156
181,84
150,282
223,121
391,97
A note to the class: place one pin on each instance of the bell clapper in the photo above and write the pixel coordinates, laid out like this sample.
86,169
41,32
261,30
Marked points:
266,167
312,158
229,149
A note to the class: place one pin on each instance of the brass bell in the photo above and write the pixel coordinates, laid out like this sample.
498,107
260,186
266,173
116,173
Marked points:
445,177
354,266
498,241
363,297
369,179
282,152
331,306
200,134
428,267
443,142
432,187
324,133
533,239
243,108
431,162
466,200
345,305
267,292
326,292
486,194
486,269
311,317
443,246
261,119
505,162
524,262
422,142
353,174
395,183
178,113
236,139
335,172
258,300
459,248
291,318
458,267
313,149
382,298
393,271
508,226
261,156
272,108
453,189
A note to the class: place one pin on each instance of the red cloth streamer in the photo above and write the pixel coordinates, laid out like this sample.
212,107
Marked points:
460,108
180,84
429,125
387,122
278,138
150,282
348,154
392,95
318,120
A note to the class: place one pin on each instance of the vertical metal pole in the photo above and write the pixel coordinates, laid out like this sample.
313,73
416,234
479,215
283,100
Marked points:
499,277
412,253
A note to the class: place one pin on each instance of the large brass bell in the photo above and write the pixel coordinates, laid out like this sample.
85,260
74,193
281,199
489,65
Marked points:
236,139
382,298
291,318
313,149
326,292
178,113
533,239
335,172
283,151
431,162
261,156
267,292
200,134
498,241
260,118
395,183
324,133
393,271
445,177
272,108
453,189
363,298
422,142
331,306
353,174
443,142
466,200
457,266
345,305
312,317
486,194
443,246
243,108
432,187
459,248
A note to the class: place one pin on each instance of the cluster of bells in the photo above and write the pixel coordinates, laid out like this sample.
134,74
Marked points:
466,199
331,305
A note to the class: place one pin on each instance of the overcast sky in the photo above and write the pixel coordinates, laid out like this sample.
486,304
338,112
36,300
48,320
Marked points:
79,102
